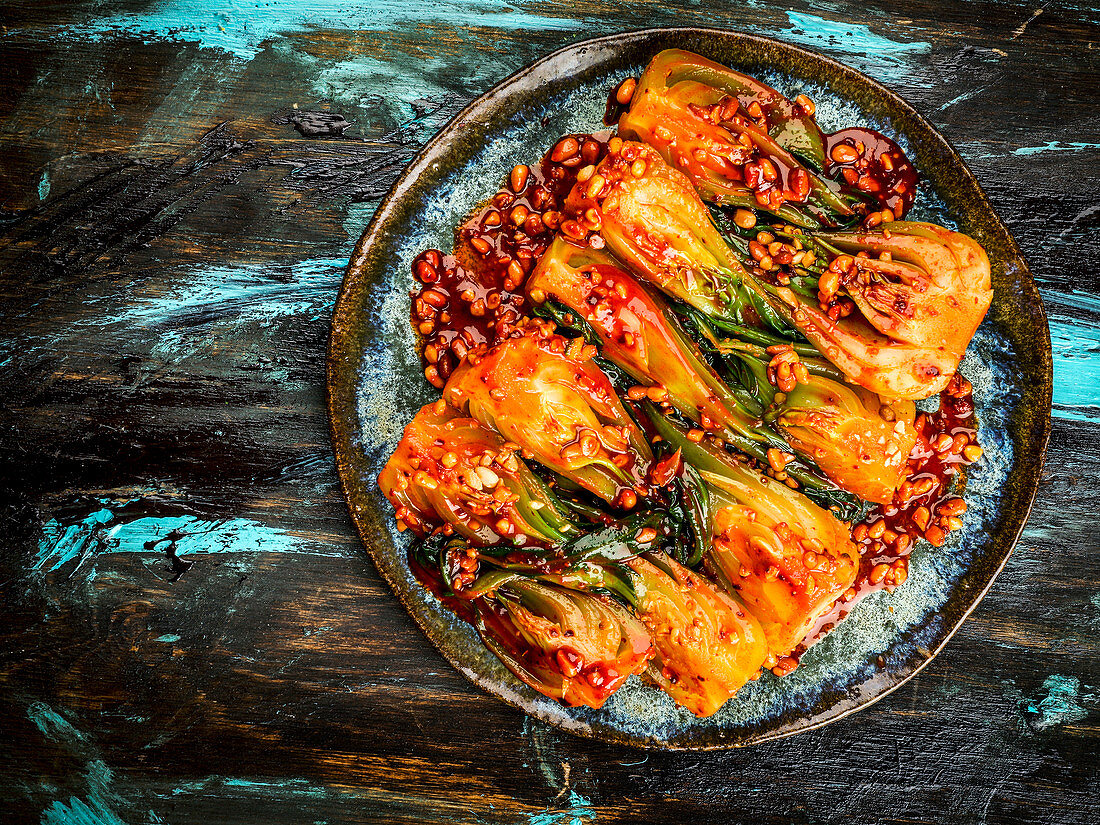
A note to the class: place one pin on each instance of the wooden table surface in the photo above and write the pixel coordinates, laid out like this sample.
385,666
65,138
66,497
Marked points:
191,631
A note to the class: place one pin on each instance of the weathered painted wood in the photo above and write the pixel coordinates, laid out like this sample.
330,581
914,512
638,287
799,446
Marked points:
170,248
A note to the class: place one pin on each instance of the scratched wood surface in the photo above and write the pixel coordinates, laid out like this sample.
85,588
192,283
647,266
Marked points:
191,632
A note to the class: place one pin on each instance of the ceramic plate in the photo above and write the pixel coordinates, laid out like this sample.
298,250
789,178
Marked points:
376,384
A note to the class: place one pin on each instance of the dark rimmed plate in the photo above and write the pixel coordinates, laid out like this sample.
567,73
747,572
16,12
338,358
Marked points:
376,385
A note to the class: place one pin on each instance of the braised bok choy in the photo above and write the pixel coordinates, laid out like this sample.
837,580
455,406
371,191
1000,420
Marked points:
677,438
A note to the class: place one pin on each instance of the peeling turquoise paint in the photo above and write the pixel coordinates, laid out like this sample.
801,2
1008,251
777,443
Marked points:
1062,704
44,186
104,532
578,812
101,95
883,58
168,638
357,216
242,28
1055,146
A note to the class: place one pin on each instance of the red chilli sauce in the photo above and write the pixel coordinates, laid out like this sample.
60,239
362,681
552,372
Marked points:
928,504
474,298
872,165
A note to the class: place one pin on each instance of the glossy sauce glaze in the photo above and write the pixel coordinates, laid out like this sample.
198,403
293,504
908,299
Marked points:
928,504
598,680
474,298
859,162
872,166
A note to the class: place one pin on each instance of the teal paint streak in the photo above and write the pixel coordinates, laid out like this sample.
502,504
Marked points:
579,812
1095,603
62,543
266,788
300,787
1074,414
1075,345
343,82
203,309
960,98
1062,704
1076,300
1094,600
1055,146
53,725
215,303
44,186
246,294
104,532
168,638
78,812
96,806
1076,349
242,28
885,59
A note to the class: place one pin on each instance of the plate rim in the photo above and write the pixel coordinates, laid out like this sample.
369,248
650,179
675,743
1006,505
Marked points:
342,372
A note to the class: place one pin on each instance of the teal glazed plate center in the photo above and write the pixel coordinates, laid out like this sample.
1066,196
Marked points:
376,384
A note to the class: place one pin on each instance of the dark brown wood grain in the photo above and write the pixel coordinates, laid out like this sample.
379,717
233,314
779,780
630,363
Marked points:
260,686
